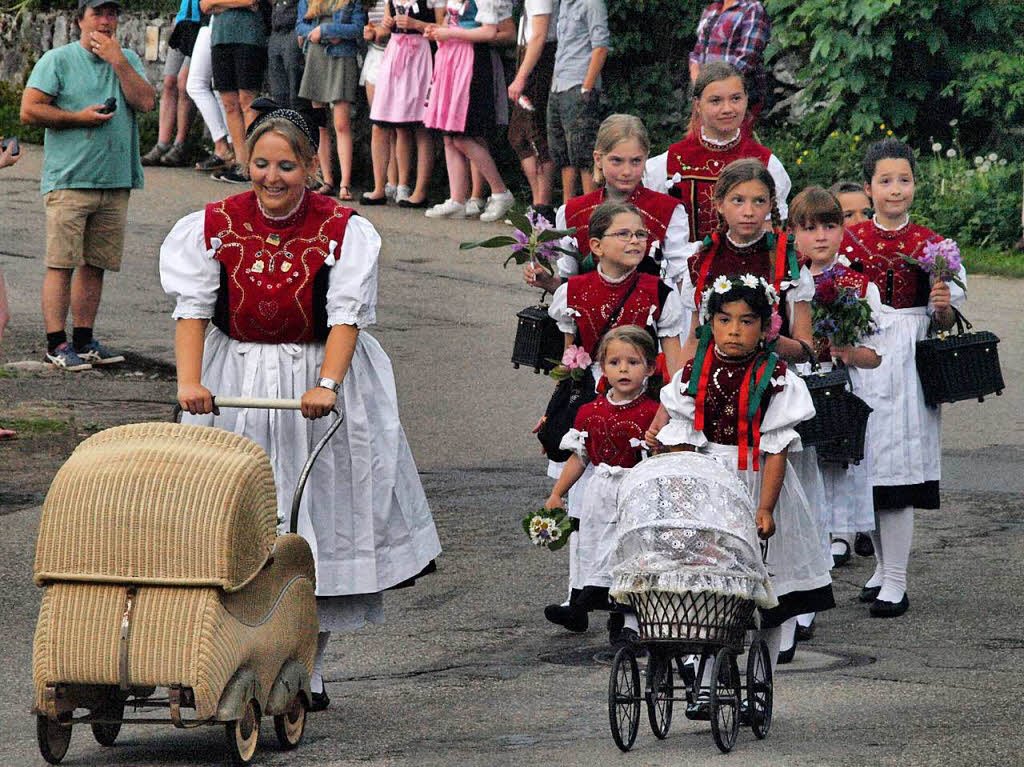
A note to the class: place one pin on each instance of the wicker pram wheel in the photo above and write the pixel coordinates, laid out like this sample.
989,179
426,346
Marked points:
692,616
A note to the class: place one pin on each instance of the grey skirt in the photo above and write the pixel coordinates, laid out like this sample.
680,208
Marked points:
329,79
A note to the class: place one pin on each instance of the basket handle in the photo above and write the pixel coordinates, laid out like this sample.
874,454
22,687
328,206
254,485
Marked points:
811,356
961,321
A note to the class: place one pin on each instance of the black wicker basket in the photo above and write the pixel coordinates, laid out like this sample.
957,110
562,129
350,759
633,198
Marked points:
840,417
961,366
692,616
538,340
847,446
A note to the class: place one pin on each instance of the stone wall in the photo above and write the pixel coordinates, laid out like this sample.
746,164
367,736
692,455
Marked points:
27,36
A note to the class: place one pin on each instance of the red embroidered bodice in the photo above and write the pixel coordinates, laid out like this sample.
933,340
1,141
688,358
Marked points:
273,286
699,164
881,252
610,427
656,209
722,398
728,259
595,298
842,277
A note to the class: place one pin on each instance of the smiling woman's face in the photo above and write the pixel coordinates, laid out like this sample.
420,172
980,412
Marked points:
278,175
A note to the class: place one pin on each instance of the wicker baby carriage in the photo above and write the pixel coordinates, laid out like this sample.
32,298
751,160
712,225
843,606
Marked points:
162,568
688,562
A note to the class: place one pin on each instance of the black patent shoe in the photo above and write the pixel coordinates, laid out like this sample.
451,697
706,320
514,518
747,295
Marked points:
570,617
883,609
319,701
838,560
862,545
869,594
786,656
804,633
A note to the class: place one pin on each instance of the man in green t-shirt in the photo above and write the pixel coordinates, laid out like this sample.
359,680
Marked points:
86,95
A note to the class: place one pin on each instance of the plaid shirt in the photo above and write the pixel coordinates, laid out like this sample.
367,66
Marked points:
738,34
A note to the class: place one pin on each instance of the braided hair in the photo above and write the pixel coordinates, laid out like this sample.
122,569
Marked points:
739,172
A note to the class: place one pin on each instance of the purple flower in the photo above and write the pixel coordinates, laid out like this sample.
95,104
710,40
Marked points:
522,240
538,222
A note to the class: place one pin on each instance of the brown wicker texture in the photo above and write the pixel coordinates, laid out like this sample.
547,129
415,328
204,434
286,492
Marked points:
195,637
693,616
159,504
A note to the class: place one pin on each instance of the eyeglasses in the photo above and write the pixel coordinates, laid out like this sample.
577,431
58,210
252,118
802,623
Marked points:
625,235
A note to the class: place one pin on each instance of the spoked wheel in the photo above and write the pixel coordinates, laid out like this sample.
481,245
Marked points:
725,700
624,695
291,725
243,734
760,688
106,734
659,693
53,738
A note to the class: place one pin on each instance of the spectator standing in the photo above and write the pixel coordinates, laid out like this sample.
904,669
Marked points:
238,50
199,87
737,31
376,34
90,165
528,92
7,157
573,107
175,105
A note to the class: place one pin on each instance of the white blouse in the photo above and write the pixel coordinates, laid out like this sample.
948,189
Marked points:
190,273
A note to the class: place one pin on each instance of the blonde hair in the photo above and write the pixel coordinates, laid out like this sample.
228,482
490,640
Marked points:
635,336
318,8
614,130
291,133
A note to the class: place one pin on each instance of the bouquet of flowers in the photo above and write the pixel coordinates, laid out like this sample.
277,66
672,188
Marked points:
575,364
533,239
941,260
839,314
549,528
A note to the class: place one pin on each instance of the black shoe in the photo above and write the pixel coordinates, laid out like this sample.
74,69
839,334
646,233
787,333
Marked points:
869,594
700,710
883,609
786,656
804,633
862,545
838,560
319,701
424,203
365,199
568,616
232,175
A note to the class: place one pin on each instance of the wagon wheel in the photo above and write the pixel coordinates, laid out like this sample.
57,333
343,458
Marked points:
624,696
106,734
759,688
659,694
291,725
243,734
725,700
53,738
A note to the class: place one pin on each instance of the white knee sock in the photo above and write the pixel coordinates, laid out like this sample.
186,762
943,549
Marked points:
316,683
897,532
773,637
875,581
787,634
806,619
630,620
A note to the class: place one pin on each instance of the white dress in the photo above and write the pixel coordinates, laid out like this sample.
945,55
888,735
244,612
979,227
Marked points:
796,560
363,512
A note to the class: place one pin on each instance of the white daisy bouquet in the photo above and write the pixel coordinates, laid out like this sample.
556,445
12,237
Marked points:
549,528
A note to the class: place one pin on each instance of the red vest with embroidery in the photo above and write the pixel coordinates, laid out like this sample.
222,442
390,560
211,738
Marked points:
610,428
656,209
699,164
596,299
881,252
726,259
269,267
842,277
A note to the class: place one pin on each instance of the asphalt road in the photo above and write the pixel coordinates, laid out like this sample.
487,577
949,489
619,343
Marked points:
465,670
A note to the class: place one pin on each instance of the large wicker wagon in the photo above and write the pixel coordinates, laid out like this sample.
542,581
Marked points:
159,553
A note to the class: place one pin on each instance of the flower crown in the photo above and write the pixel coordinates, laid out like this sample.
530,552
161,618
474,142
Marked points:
724,284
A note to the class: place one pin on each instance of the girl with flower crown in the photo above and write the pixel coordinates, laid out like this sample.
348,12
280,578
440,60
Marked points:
739,402
904,434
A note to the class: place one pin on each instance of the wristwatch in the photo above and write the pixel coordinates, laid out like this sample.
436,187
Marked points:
329,383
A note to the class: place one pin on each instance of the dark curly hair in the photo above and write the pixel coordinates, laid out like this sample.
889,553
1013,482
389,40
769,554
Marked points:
886,149
755,298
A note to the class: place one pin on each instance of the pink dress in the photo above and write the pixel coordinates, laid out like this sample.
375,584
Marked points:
403,80
448,102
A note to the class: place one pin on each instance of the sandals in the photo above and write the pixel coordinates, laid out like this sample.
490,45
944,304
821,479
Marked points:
327,189
345,194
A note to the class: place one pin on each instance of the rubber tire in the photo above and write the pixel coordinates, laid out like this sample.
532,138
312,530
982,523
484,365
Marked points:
242,748
725,694
660,689
284,722
106,734
760,679
53,739
620,696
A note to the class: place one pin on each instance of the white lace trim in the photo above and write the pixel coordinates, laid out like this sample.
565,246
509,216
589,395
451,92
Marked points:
745,244
906,221
717,142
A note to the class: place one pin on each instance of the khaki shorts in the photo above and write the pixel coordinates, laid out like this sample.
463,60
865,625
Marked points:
86,226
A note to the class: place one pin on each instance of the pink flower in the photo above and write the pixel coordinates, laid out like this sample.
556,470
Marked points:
774,326
576,357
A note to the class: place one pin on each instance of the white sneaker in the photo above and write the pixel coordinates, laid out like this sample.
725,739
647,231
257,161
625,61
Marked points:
498,206
448,209
475,206
389,191
402,192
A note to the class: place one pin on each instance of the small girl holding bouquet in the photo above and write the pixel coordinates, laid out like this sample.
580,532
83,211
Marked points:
606,440
920,280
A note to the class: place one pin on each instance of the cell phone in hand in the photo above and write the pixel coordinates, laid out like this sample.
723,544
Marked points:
11,141
108,106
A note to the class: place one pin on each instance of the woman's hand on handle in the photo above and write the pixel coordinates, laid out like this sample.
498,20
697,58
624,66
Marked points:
196,399
317,402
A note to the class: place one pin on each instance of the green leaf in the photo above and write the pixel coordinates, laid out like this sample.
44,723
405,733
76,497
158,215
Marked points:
550,235
500,241
519,221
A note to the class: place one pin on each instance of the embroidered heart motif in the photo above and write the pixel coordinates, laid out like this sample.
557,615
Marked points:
268,309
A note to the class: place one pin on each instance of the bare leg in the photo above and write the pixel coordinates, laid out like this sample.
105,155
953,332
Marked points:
184,107
380,142
458,170
403,154
86,291
545,183
568,184
392,159
324,153
343,132
478,154
424,164
236,125
169,104
587,177
477,179
56,298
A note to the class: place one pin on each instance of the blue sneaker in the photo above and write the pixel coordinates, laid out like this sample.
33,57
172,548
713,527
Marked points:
99,355
64,356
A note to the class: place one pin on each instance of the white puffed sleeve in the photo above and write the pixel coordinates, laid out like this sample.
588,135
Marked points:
560,312
787,408
674,320
677,247
687,291
656,173
576,441
681,408
567,265
188,271
352,286
802,290
783,185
